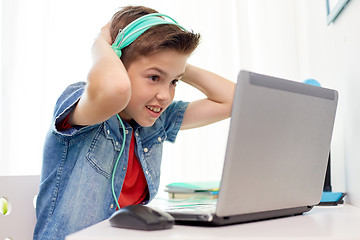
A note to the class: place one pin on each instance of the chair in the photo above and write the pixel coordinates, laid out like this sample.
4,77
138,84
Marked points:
20,193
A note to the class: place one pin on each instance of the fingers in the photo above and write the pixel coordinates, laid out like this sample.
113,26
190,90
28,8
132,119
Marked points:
105,33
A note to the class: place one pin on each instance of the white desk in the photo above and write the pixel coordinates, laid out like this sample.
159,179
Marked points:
340,222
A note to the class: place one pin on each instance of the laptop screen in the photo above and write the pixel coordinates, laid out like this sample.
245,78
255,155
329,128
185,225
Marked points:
278,145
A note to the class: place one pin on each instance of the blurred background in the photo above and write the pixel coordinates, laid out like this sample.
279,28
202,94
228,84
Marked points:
45,46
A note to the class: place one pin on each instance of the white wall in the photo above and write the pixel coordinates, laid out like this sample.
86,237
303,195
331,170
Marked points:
0,83
291,39
333,53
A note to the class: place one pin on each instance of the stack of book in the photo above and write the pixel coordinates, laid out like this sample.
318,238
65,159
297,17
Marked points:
184,190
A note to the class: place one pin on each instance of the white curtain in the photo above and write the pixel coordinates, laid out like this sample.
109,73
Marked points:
45,46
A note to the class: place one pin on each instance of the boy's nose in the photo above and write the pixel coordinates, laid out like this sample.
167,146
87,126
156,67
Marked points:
163,94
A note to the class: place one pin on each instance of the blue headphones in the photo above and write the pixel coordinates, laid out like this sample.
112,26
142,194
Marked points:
124,38
137,27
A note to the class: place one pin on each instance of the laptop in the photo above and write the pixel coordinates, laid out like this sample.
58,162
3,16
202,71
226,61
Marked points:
276,155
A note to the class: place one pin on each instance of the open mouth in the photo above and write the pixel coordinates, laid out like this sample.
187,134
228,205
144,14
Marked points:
154,109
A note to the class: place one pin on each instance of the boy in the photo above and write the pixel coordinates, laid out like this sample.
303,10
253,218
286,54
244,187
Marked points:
87,151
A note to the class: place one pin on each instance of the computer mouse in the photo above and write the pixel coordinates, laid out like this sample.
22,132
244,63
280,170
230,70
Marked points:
142,218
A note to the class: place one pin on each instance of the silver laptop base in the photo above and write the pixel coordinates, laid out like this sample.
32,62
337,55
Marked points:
213,220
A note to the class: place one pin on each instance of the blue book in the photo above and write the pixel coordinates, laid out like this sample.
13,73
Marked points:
331,198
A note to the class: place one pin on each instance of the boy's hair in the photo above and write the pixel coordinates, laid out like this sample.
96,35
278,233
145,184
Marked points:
160,37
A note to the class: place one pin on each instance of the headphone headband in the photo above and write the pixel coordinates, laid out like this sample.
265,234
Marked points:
137,27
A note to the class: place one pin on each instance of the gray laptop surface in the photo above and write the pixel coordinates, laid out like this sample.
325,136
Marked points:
277,151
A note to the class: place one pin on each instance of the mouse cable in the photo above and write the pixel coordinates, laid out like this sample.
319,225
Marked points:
117,161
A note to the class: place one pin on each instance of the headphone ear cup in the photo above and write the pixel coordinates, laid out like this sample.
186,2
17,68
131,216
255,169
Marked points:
117,51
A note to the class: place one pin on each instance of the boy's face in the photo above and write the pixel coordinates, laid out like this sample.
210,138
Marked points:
153,81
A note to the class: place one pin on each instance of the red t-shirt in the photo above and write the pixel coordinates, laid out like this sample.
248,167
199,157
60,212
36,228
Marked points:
134,189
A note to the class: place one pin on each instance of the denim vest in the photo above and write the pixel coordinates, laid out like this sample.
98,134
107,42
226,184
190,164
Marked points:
75,189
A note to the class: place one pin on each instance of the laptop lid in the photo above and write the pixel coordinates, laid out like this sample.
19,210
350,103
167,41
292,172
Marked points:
278,145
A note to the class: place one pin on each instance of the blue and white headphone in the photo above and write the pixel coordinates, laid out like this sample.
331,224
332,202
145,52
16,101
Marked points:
137,27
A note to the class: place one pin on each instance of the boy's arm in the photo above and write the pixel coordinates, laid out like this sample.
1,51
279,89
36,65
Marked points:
217,105
108,88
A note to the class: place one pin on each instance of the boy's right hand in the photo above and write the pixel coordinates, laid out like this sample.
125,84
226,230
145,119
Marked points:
108,88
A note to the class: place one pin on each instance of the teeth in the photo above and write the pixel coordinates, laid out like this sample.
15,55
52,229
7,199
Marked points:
154,109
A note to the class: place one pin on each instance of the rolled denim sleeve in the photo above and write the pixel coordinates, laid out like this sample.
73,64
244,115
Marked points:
65,104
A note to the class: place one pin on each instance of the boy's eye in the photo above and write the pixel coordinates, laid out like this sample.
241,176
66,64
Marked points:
174,82
154,78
